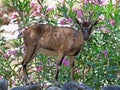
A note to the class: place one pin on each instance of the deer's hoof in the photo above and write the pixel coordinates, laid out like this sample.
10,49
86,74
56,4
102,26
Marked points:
27,81
57,84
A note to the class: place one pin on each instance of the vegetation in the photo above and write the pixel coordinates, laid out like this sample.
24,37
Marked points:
97,65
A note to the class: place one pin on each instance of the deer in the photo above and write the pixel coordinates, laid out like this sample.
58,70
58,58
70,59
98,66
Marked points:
56,41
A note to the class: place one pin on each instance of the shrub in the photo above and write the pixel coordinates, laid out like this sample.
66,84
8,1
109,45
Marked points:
98,63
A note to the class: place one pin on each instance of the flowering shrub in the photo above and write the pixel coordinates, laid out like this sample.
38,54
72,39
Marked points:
97,64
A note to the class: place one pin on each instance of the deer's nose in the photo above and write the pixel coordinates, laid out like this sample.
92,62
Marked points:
86,37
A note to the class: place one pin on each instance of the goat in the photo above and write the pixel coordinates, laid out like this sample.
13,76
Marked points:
56,41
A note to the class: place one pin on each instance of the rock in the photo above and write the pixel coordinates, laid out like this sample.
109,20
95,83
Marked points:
111,87
75,86
54,88
3,84
28,87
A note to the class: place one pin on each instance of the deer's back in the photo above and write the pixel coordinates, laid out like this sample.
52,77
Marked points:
53,39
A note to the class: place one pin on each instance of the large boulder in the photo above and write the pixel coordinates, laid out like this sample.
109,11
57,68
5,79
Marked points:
111,87
28,87
3,84
75,86
54,88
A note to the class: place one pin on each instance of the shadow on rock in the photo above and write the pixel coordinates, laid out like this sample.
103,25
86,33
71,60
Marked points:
3,84
28,87
111,87
75,86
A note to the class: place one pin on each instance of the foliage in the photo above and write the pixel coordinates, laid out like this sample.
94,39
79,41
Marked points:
97,64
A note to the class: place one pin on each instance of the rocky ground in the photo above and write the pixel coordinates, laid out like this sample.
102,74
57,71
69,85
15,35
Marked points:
67,86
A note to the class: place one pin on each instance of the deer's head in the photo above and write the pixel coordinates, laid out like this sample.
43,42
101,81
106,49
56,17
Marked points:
86,26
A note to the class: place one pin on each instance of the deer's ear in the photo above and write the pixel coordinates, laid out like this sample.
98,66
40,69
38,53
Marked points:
79,23
92,25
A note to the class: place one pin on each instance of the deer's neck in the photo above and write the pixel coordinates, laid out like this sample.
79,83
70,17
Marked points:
79,37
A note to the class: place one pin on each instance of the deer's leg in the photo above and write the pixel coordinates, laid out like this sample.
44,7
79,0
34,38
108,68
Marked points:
29,56
58,66
72,61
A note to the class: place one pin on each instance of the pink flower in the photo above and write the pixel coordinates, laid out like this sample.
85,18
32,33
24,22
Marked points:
0,51
13,83
66,21
86,1
46,85
15,15
9,53
5,56
1,77
32,4
79,13
36,12
103,2
22,30
112,22
77,70
65,62
49,9
39,68
96,2
101,17
69,20
63,21
105,52
75,10
12,52
24,48
106,31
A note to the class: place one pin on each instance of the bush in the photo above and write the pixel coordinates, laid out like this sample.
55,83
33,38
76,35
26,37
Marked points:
98,62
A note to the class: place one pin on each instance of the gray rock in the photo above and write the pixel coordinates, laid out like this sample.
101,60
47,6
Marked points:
75,86
111,87
3,84
54,88
28,87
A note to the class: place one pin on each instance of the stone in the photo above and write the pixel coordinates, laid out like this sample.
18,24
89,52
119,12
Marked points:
28,87
75,86
111,87
53,88
3,84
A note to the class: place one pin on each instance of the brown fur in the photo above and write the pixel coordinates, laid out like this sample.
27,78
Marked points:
55,41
